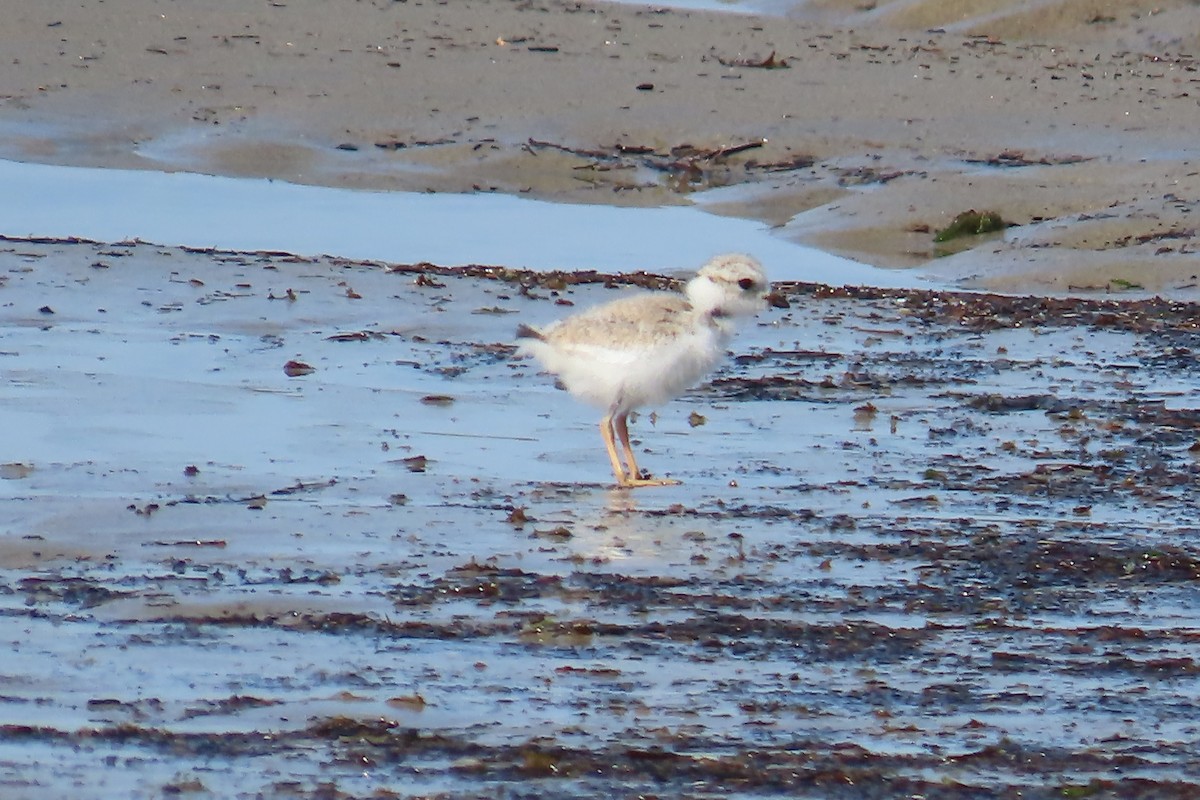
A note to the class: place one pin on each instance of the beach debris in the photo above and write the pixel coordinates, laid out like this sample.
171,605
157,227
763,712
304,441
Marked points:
864,416
866,176
353,336
1016,158
1123,285
739,544
686,165
410,702
560,533
302,486
778,300
428,282
296,369
15,471
971,223
770,62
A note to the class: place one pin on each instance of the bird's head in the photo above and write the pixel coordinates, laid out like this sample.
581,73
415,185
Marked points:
731,285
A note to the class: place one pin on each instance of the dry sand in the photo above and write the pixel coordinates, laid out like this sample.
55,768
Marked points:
1074,119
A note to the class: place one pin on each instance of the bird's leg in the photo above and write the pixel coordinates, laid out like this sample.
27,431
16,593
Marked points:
634,477
621,423
606,431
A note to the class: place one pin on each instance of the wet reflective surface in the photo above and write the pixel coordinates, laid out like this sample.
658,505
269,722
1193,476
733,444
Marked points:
926,545
248,214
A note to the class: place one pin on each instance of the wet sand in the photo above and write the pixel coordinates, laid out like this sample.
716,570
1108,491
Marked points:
296,527
285,526
864,131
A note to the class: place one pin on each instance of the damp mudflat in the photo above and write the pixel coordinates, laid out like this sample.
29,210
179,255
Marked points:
293,526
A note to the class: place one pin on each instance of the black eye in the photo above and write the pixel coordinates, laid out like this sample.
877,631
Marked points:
746,283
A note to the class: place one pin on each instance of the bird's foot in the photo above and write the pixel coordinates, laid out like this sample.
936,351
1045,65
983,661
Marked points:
633,483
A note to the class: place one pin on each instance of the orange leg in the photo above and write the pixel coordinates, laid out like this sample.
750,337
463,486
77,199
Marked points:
606,432
634,476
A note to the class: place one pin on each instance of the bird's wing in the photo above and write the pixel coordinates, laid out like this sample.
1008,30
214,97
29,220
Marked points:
636,323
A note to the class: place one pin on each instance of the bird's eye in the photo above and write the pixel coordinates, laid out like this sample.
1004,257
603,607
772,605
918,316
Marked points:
746,283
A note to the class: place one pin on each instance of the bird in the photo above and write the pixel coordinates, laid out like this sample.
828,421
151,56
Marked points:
647,348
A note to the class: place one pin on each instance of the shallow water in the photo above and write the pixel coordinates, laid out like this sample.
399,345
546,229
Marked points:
253,214
887,566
